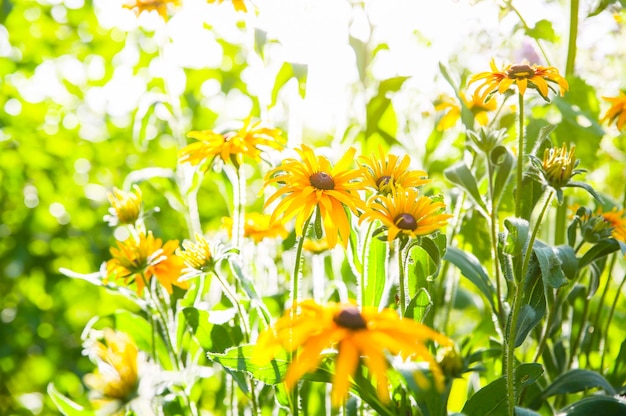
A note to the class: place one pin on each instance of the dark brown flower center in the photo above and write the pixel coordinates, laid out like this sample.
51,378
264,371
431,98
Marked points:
520,71
323,181
383,181
405,222
350,318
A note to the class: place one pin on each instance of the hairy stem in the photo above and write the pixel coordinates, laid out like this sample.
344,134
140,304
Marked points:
520,158
573,34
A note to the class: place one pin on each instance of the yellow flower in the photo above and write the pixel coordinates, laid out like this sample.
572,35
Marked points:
355,334
405,212
617,112
476,105
537,77
383,173
197,254
452,109
160,6
116,379
233,146
125,206
617,221
558,166
239,5
314,183
139,258
258,226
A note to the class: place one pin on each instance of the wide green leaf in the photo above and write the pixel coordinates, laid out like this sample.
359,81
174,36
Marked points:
577,380
376,272
503,161
491,400
599,250
472,269
419,306
550,265
146,336
240,359
518,233
286,72
462,176
595,405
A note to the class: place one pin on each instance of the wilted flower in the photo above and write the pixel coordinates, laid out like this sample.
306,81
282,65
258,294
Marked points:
523,75
385,172
125,207
356,335
139,258
314,183
160,6
617,112
406,213
258,226
115,382
233,146
239,5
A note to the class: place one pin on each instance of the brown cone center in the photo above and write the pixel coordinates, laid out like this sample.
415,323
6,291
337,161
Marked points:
521,71
350,317
322,180
383,181
405,222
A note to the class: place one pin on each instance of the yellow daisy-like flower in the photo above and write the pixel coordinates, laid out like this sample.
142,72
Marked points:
160,6
196,254
233,146
406,212
125,207
258,226
617,112
523,75
314,183
356,335
116,379
476,105
139,258
385,172
239,5
617,221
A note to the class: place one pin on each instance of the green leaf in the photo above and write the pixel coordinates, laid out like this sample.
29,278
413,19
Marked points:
502,159
520,411
595,405
601,249
550,265
249,288
569,262
462,176
472,269
260,39
239,359
419,306
145,335
198,322
376,271
518,233
543,30
491,400
419,268
286,72
65,405
381,116
577,380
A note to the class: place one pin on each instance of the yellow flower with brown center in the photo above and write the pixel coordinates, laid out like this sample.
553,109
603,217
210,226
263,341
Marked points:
523,76
160,6
452,109
239,5
125,206
617,113
617,221
257,226
385,172
116,378
139,258
313,183
405,212
233,146
357,335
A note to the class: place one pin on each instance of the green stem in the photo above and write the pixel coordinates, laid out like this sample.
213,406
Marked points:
605,290
493,219
559,223
401,280
519,283
520,158
364,265
552,308
605,335
573,34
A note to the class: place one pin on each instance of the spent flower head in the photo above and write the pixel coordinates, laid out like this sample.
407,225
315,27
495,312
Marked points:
540,78
617,112
139,258
313,183
126,207
383,172
357,335
407,214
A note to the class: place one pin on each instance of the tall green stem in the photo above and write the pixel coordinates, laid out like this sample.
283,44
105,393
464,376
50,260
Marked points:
520,158
493,219
573,34
518,300
605,334
364,265
401,280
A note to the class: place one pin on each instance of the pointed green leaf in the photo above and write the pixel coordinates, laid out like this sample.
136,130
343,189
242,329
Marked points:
472,269
67,406
543,30
595,405
518,233
550,265
502,159
376,272
601,249
419,306
420,266
462,176
577,380
240,359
